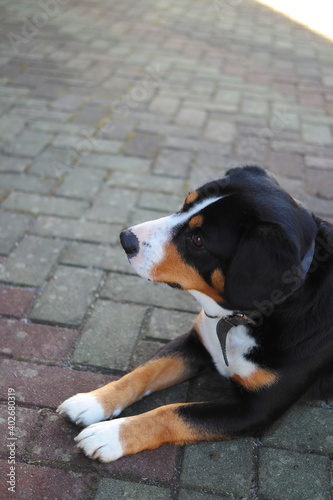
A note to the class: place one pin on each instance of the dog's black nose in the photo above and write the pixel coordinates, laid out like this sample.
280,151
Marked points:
130,242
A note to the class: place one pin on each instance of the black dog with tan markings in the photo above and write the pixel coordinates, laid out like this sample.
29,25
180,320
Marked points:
261,266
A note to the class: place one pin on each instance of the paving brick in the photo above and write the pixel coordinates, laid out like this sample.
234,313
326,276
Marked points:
253,107
132,491
31,261
160,201
67,296
36,342
319,182
198,145
191,117
117,162
146,182
322,163
82,183
34,481
317,134
28,143
173,163
26,183
288,475
74,229
203,464
47,205
112,205
53,162
164,105
13,164
43,385
143,145
100,256
15,301
10,127
68,102
12,228
134,289
286,164
90,115
109,337
187,494
25,421
169,325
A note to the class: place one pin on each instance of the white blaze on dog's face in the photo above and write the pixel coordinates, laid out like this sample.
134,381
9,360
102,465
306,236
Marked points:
155,254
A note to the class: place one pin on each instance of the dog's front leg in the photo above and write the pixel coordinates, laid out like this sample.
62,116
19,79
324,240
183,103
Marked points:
179,360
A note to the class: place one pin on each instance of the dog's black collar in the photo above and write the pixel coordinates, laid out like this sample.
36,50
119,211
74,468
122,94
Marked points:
225,324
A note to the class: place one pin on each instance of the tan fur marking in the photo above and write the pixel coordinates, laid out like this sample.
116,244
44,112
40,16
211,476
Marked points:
191,197
196,221
172,269
218,280
196,325
154,428
260,378
154,375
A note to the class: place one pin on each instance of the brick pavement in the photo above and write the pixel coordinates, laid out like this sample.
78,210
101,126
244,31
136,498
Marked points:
110,113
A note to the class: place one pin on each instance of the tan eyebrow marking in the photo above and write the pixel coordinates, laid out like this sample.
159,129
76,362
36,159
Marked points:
196,221
217,280
191,197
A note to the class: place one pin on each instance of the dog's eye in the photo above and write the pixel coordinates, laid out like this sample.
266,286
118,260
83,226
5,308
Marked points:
197,240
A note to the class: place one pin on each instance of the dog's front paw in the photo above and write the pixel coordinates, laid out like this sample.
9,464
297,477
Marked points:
101,441
83,409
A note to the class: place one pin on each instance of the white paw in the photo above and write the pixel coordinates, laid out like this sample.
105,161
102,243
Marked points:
83,409
101,441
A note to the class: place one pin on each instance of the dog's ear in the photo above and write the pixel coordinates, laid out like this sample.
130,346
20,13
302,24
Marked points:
266,266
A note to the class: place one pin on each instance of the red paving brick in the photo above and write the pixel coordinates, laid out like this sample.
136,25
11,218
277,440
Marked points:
46,385
15,301
33,482
29,340
25,421
55,442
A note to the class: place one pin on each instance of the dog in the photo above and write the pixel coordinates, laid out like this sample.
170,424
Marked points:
261,267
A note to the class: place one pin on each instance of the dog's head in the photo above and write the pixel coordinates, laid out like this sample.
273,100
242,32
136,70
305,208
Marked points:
236,240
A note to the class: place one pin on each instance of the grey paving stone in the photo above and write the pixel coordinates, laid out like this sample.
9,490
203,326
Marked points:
100,256
191,117
162,202
10,127
173,163
117,162
187,494
146,182
130,491
288,475
74,229
286,164
317,134
109,337
12,228
305,429
26,182
53,162
112,205
47,205
169,324
221,132
30,263
13,164
121,287
28,143
219,466
319,182
164,105
67,296
68,102
143,145
82,183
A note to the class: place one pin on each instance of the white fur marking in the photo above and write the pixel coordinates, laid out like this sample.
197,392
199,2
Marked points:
83,409
238,343
101,441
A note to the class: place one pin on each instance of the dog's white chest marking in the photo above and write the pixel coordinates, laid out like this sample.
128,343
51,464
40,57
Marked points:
238,343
